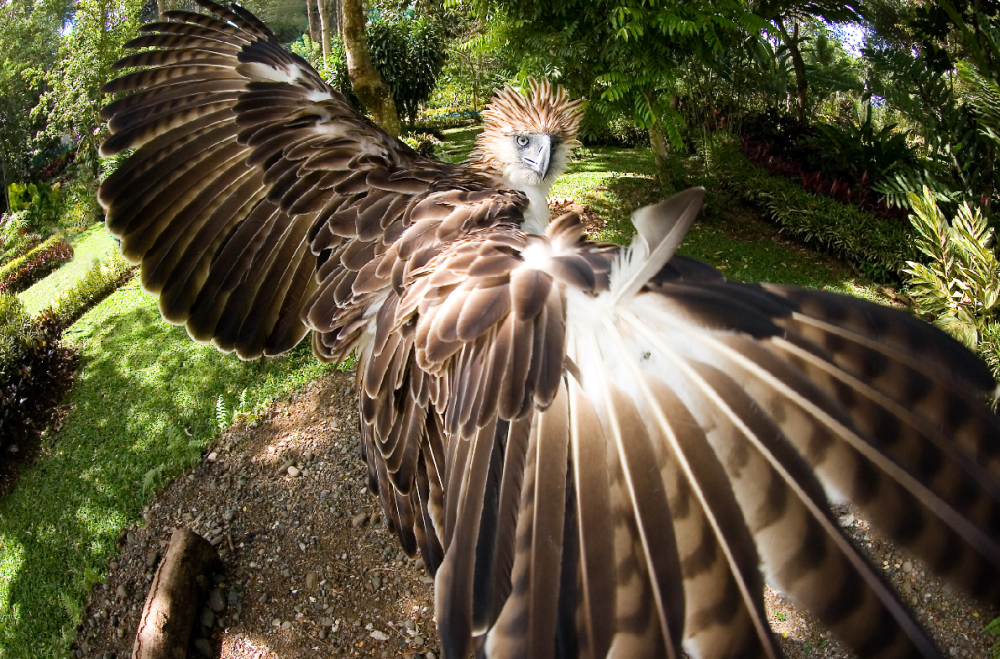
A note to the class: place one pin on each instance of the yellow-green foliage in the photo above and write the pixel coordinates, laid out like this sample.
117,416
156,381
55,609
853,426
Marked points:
959,285
15,323
103,278
22,272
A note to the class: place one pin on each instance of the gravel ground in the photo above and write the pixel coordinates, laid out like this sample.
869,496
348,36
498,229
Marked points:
311,569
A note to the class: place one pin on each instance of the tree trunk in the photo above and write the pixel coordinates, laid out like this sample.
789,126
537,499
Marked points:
368,84
792,41
659,144
324,29
174,598
311,13
161,6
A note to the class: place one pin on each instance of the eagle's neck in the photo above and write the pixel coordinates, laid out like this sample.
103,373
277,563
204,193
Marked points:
536,217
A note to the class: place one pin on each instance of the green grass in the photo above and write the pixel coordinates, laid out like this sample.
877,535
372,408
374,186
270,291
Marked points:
92,244
613,182
143,407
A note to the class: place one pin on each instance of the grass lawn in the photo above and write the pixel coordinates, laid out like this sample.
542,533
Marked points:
614,182
143,407
89,246
144,401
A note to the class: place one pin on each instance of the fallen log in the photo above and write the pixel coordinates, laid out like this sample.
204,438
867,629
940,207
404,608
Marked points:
174,599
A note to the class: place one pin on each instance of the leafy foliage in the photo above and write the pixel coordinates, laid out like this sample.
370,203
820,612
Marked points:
101,280
878,247
422,143
41,202
15,237
32,367
22,272
959,285
409,52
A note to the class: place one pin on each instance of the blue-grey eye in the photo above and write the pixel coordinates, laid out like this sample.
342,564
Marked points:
522,140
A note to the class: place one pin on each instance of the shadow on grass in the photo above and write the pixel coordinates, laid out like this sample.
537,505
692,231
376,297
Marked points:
143,408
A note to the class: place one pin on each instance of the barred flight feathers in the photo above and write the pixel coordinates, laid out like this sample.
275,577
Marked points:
598,451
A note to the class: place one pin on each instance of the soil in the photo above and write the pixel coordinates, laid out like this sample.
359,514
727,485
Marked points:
311,568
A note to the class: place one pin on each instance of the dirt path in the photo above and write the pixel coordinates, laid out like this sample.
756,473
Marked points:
313,571
311,568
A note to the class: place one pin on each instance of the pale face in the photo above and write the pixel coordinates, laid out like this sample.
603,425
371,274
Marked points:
531,160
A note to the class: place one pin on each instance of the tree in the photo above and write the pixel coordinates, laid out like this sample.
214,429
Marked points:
787,17
368,83
409,52
87,53
30,34
625,56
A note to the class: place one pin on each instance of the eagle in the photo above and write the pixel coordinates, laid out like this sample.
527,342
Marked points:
597,450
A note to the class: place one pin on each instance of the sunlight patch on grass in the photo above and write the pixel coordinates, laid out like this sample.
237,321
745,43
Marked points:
89,246
142,388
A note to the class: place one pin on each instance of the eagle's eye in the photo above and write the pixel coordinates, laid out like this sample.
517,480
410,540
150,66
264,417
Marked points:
522,140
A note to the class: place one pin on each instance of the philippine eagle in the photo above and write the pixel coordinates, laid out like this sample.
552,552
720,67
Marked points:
597,451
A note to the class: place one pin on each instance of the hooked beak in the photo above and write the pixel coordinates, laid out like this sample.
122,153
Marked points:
536,155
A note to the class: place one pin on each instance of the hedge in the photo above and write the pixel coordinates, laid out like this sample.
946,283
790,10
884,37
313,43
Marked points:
879,247
33,368
21,273
101,280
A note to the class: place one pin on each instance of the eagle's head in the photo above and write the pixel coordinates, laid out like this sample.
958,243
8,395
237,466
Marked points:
527,139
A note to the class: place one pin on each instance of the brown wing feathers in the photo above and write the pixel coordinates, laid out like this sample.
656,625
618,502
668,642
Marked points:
583,481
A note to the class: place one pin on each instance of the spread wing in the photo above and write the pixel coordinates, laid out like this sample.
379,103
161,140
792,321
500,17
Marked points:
254,185
597,451
602,452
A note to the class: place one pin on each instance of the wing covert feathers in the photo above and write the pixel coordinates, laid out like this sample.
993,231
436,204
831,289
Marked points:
596,451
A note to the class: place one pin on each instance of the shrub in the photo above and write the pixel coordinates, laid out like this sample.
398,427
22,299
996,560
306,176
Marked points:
22,272
16,237
438,119
101,280
33,368
879,247
959,285
42,203
422,143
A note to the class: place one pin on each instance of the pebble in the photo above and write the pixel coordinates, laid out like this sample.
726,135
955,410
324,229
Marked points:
122,591
130,537
151,558
233,597
311,580
418,641
109,655
113,565
213,456
294,472
358,519
228,514
324,633
286,625
377,582
276,622
379,635
907,566
216,601
207,618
